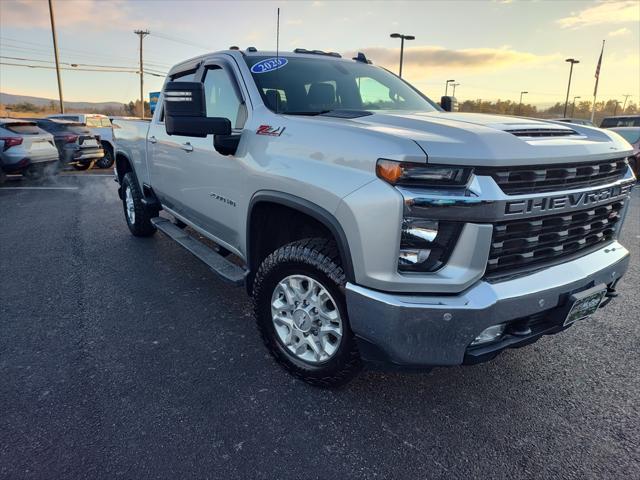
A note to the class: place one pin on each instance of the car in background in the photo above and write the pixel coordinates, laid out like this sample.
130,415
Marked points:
631,135
26,149
621,121
77,145
577,121
99,125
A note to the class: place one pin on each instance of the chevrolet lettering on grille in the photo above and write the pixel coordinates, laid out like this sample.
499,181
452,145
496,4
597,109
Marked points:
566,201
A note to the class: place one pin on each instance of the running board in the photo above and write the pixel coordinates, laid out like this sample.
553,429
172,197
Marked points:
221,266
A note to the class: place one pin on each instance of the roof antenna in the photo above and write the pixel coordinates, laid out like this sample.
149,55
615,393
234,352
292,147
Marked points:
277,60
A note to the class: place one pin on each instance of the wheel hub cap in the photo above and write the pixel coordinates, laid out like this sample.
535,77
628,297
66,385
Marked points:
302,320
306,318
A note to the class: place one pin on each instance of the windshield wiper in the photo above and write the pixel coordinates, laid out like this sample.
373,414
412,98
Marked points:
310,113
338,113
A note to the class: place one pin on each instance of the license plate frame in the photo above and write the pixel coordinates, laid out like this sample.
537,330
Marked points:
584,304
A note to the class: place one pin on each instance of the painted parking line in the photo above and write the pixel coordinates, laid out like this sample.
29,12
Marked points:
78,175
39,188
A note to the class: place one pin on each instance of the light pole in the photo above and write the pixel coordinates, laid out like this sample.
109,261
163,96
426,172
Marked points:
572,61
446,86
454,85
402,38
520,104
573,105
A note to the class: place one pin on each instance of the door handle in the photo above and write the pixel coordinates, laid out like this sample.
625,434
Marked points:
152,139
187,147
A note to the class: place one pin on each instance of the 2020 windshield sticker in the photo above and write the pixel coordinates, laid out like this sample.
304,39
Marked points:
269,65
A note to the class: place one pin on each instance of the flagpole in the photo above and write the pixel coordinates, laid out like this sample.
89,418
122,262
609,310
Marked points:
595,90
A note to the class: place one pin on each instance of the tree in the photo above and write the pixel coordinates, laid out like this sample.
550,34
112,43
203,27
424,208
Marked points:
133,109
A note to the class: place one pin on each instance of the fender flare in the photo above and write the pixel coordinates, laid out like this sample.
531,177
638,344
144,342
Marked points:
313,210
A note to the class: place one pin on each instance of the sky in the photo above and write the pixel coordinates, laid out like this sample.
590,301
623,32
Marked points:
493,49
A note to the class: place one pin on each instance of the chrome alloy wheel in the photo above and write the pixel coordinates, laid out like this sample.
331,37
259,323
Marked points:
131,210
306,318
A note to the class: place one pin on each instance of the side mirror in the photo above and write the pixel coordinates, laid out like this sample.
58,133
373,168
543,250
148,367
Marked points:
185,112
449,104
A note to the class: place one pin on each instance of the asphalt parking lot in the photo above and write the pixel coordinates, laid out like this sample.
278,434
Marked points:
127,358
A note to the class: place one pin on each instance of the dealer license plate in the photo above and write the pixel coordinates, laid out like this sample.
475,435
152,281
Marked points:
585,304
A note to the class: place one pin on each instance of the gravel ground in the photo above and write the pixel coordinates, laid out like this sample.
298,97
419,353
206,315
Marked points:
126,358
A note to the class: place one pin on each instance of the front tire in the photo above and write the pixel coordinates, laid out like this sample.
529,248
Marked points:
300,309
137,216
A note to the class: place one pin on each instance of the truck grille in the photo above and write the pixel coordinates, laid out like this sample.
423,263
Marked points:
549,178
526,244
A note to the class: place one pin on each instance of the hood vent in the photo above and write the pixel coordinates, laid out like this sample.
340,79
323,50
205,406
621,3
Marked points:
542,132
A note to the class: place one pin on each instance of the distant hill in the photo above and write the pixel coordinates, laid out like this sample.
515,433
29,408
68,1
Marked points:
10,99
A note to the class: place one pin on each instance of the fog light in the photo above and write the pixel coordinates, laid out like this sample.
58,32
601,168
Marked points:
490,334
412,257
425,245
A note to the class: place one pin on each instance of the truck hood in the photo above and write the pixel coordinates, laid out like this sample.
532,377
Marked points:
494,140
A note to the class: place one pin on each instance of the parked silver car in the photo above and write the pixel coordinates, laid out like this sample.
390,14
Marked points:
26,149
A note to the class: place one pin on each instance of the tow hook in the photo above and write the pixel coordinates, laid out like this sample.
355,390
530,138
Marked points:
610,295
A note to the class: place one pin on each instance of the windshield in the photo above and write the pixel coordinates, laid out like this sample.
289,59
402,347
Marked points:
307,86
631,135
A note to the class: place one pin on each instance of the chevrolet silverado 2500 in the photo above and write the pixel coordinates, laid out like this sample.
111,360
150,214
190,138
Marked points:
367,223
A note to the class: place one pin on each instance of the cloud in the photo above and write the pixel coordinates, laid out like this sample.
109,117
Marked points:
88,14
604,12
620,32
294,21
440,57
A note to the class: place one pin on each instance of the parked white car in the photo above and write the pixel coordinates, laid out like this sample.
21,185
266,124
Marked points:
100,125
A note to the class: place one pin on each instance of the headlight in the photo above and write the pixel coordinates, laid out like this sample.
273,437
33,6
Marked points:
422,175
425,245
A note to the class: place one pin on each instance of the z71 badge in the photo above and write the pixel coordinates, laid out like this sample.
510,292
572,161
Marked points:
269,130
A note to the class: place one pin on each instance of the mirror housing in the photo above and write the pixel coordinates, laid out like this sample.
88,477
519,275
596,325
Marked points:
185,112
449,104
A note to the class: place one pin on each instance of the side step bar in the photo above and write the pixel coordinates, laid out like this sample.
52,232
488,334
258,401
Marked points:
216,262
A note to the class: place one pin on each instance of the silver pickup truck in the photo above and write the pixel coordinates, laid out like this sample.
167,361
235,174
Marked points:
368,223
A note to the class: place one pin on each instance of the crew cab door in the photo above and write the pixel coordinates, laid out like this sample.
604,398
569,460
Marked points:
168,155
215,195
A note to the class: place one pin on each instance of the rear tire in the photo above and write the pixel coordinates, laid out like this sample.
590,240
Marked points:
137,216
305,345
107,160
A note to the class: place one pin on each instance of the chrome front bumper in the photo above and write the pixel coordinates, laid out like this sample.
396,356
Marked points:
430,330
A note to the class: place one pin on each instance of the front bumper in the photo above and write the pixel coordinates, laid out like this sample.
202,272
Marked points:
431,330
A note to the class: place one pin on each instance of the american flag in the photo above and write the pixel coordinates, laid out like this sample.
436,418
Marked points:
595,90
